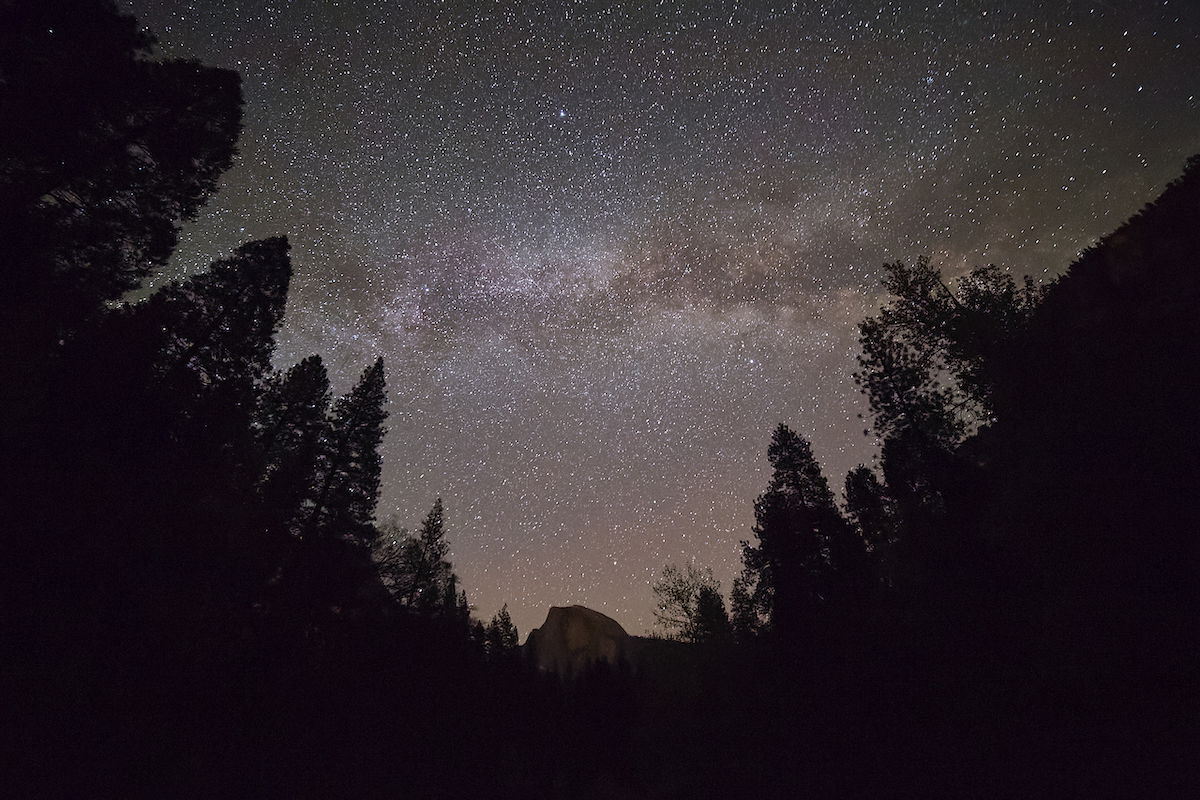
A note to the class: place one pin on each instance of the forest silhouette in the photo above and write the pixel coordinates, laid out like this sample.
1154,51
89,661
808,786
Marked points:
200,602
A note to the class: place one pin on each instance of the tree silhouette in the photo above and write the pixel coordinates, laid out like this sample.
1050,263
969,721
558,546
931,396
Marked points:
348,464
1091,463
454,607
104,152
172,384
290,424
798,527
745,619
869,509
187,362
197,596
418,573
217,328
676,601
710,622
502,637
429,567
189,600
929,358
392,553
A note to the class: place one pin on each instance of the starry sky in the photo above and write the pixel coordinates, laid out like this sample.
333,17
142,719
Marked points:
604,247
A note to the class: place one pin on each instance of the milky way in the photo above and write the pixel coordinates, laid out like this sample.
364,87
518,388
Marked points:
606,247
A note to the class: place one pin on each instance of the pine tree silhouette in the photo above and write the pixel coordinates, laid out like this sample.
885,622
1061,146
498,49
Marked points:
290,424
502,637
348,466
797,524
429,567
710,622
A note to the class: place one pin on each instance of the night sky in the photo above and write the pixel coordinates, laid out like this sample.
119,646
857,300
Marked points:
606,247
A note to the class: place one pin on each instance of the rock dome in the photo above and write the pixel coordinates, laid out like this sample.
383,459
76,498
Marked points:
574,637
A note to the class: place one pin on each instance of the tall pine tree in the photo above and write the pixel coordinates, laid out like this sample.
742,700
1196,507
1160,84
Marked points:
289,425
429,565
799,529
348,466
502,637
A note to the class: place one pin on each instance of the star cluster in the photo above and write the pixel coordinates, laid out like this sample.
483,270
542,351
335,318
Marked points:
605,247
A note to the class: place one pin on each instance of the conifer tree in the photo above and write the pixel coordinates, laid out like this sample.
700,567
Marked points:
223,322
392,554
158,463
797,525
710,622
334,571
429,567
502,636
202,346
349,465
289,425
